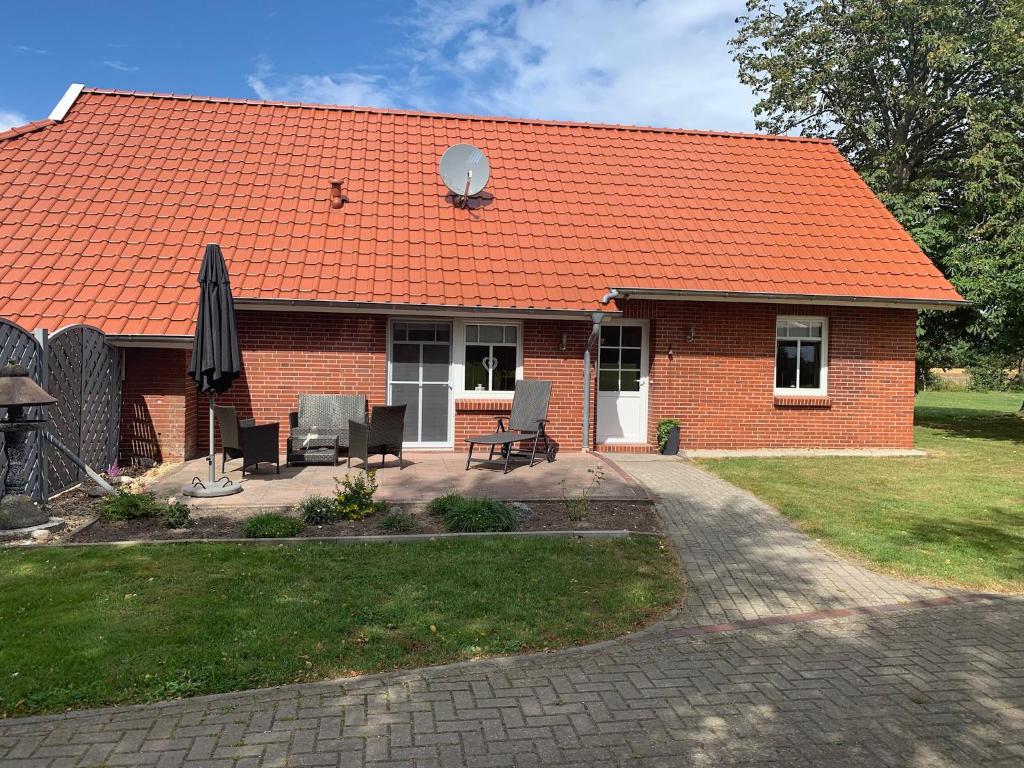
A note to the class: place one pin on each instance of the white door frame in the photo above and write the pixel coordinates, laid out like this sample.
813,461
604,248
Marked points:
645,326
450,442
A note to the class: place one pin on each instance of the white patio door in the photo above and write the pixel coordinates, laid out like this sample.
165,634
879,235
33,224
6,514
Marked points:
419,376
622,383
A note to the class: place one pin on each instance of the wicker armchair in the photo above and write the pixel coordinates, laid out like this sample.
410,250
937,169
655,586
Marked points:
384,434
320,428
244,439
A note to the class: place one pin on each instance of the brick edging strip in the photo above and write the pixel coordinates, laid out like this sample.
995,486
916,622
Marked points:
836,613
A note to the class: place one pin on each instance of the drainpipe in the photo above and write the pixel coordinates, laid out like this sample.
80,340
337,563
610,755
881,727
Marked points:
596,318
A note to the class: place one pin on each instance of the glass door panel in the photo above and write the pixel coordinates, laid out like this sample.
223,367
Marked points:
420,372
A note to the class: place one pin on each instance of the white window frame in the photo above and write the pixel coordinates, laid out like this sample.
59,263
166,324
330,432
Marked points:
820,391
459,359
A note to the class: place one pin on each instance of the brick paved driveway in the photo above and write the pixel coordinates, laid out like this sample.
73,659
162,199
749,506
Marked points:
941,685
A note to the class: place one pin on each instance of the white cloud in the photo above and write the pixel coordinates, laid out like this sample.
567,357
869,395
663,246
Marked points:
654,62
349,88
120,66
9,119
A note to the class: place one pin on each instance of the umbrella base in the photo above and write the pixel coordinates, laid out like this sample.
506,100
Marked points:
200,490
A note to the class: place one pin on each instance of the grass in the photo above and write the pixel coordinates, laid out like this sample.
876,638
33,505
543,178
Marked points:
101,625
956,517
272,526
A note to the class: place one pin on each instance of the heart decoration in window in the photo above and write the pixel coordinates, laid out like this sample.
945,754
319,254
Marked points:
490,363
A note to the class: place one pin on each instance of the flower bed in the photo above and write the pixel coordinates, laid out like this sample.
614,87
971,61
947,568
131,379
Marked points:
542,516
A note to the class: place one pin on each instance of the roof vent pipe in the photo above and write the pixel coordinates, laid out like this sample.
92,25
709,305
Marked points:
338,198
612,294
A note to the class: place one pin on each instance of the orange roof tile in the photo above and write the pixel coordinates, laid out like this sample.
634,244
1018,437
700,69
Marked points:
105,214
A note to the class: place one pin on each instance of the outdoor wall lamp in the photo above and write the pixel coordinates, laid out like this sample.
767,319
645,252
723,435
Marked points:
692,335
671,352
565,342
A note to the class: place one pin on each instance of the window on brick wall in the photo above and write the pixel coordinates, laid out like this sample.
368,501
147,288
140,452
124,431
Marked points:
491,360
801,356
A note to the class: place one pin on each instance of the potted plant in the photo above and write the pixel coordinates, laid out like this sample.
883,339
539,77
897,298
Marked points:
668,436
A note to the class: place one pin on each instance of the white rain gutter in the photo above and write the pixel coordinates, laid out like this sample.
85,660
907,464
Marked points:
784,298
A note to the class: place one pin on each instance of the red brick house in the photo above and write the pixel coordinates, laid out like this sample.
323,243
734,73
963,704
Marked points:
751,286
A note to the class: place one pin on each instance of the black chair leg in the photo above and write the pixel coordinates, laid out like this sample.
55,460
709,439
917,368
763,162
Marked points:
508,456
470,457
401,462
533,453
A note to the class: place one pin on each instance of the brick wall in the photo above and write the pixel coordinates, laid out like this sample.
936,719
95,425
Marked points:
285,354
720,386
158,406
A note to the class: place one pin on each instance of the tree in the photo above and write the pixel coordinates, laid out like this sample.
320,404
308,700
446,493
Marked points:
926,100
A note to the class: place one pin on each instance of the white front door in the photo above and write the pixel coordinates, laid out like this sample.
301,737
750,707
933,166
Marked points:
622,383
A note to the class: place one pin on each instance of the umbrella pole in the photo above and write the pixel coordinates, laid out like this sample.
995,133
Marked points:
213,455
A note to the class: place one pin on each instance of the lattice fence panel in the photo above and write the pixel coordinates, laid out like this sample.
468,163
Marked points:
85,377
101,377
19,345
64,360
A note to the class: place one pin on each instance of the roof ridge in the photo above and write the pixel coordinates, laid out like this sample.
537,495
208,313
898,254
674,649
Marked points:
21,130
458,116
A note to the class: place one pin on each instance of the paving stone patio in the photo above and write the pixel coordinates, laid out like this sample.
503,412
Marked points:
920,684
425,475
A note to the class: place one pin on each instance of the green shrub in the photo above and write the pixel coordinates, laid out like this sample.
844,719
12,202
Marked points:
130,506
271,526
664,427
176,514
399,521
988,374
443,504
470,515
137,506
318,510
355,496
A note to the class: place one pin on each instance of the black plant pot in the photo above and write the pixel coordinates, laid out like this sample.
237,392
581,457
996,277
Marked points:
671,442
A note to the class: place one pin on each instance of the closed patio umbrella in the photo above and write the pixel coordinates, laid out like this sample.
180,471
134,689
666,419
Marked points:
216,361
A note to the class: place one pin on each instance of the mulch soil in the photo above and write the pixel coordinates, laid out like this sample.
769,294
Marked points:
543,516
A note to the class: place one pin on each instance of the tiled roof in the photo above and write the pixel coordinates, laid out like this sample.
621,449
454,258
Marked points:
104,215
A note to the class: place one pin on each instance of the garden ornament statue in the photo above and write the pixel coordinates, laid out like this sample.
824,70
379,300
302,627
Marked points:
18,392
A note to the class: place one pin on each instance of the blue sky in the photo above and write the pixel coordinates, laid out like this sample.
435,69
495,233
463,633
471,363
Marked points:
651,62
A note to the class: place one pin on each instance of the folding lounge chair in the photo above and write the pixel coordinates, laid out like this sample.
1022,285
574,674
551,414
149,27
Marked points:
526,424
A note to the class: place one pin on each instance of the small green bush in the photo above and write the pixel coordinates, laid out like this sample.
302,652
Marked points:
136,506
318,510
399,521
443,504
130,506
272,526
177,515
471,515
355,497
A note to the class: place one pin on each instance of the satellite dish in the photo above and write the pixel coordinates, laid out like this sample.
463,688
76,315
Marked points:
465,171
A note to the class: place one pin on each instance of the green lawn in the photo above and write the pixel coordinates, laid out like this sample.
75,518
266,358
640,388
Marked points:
956,517
88,627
